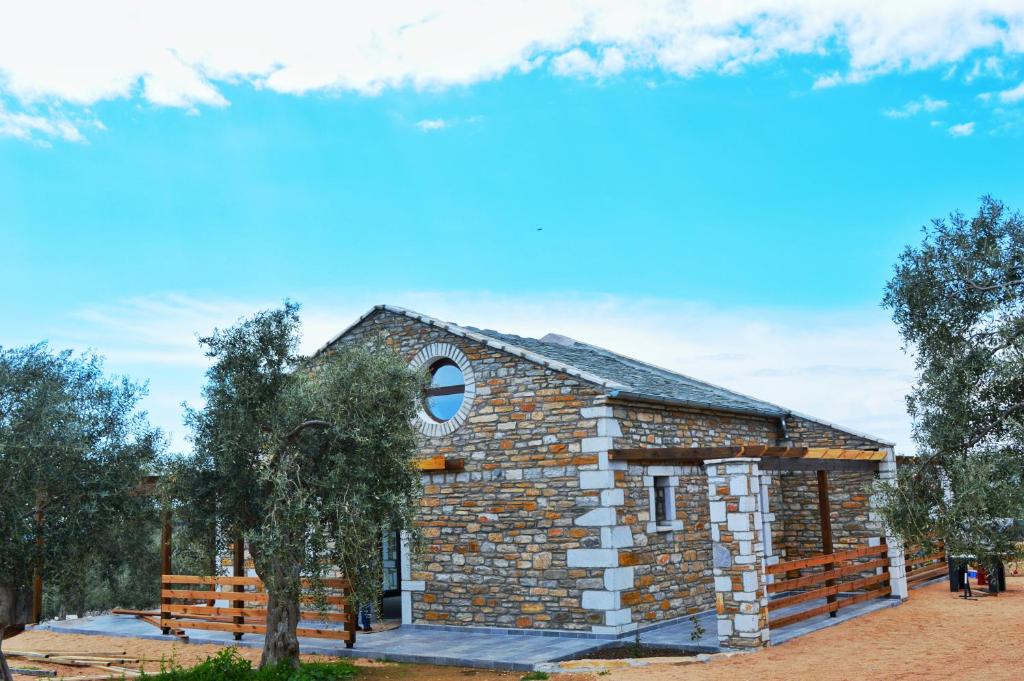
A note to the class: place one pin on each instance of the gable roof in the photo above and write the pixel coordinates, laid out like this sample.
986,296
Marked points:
621,376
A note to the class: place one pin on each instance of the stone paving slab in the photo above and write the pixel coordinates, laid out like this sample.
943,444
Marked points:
470,649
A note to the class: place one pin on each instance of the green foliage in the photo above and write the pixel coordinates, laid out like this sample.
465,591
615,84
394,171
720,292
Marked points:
534,676
958,301
309,458
698,629
228,665
74,445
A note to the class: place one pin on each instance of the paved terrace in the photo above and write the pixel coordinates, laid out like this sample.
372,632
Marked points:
485,649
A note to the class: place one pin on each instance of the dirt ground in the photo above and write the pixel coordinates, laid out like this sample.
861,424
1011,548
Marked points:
936,635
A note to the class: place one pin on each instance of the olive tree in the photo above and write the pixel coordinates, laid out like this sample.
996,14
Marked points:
73,449
958,301
309,458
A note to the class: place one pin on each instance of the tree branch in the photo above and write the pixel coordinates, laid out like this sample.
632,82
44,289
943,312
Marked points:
312,423
991,287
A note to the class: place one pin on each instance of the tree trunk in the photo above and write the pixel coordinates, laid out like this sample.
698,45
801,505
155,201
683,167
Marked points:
281,643
282,580
5,671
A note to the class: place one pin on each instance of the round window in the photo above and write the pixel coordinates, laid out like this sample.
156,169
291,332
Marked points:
448,398
446,392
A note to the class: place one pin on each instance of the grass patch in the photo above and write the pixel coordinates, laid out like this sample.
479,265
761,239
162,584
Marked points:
228,665
534,676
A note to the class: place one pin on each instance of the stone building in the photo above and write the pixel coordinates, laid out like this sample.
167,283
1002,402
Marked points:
569,489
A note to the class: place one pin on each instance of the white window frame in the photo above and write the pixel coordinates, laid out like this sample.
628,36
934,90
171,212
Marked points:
671,483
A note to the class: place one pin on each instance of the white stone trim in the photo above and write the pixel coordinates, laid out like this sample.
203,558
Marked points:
425,358
405,575
616,619
669,473
897,560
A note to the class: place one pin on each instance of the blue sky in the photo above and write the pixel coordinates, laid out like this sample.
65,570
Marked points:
728,220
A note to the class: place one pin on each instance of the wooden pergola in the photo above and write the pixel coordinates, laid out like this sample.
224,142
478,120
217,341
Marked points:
818,459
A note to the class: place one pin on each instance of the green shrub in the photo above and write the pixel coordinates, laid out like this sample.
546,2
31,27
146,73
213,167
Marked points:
534,676
228,665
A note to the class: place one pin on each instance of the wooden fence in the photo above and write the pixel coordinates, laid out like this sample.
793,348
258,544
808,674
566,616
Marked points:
192,602
832,568
922,567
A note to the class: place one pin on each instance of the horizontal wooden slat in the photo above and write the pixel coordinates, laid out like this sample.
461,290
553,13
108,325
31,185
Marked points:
827,608
241,596
925,575
825,575
339,634
327,582
208,611
224,581
826,591
935,558
826,559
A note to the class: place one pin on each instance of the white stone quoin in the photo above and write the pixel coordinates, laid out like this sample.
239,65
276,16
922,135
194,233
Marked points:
741,598
897,561
615,619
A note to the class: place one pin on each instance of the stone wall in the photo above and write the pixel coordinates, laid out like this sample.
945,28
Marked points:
652,425
673,567
797,530
496,535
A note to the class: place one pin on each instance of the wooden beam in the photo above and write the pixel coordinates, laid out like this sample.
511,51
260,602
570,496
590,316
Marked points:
238,570
825,512
440,463
37,570
165,559
809,458
833,465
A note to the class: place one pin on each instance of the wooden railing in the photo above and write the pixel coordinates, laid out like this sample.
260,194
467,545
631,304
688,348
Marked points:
922,567
190,602
834,567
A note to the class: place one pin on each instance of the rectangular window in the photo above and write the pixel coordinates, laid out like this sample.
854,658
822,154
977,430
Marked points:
661,502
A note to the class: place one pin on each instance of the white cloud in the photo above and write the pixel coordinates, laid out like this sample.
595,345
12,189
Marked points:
429,124
1013,95
845,366
577,62
961,129
829,80
434,124
180,54
916,106
39,128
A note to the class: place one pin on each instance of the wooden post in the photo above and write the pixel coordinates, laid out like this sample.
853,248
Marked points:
825,512
37,570
238,570
165,567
